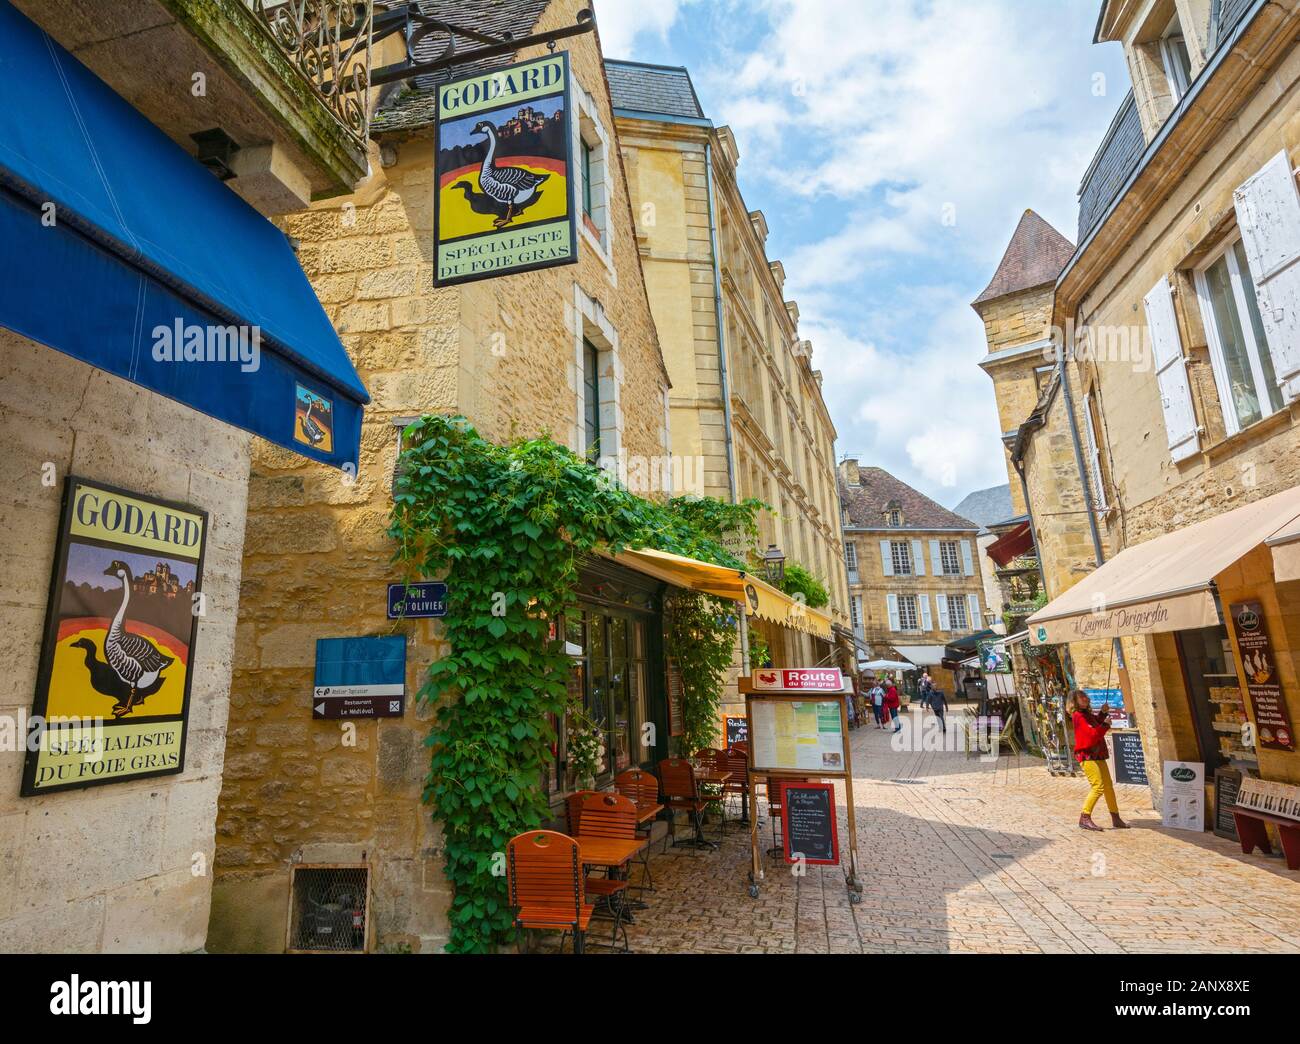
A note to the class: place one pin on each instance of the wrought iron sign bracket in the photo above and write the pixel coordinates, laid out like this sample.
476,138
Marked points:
415,27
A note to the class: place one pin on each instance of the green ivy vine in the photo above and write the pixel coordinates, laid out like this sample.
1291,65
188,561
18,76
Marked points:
508,526
798,581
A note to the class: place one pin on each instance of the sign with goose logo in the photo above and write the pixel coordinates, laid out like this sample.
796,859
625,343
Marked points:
113,684
504,201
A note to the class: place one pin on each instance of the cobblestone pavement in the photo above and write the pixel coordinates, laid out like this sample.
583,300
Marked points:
972,856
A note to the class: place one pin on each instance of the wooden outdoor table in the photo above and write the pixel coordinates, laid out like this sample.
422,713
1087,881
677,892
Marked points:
711,777
646,813
609,851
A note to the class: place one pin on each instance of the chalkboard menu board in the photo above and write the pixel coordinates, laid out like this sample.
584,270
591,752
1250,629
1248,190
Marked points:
1130,765
1226,784
676,716
808,823
735,730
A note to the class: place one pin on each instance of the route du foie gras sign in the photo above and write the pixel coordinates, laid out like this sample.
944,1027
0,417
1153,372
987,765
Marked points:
503,156
113,685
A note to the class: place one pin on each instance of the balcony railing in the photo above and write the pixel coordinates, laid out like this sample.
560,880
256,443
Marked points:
328,42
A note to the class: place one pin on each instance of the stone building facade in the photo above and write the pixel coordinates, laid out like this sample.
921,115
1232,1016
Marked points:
508,354
914,581
747,413
127,867
1177,314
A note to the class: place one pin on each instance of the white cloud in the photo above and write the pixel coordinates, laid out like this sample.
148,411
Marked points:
621,21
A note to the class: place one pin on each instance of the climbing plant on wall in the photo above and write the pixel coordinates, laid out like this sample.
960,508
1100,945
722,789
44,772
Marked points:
799,582
509,526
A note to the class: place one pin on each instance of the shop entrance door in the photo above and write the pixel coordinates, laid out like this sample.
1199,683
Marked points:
1207,664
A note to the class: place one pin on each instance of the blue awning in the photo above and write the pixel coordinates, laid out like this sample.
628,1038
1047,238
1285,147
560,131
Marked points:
118,248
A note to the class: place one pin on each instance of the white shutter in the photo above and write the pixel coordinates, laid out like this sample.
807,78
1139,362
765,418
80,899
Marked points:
918,557
973,605
891,603
967,562
1094,457
936,558
886,558
942,602
1268,213
1171,372
926,623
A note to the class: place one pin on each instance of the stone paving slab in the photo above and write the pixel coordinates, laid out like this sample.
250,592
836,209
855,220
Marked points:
963,855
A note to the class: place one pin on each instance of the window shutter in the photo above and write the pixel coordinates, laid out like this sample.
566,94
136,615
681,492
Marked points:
926,623
936,558
886,558
891,603
1094,457
1268,213
1171,372
918,557
942,602
973,604
967,562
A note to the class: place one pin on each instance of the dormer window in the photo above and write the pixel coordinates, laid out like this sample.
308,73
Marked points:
894,514
1176,58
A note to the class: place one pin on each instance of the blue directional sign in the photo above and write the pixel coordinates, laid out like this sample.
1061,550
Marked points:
360,677
417,601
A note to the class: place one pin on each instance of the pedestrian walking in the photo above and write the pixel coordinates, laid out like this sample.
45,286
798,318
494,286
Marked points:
939,707
876,697
927,688
1090,730
891,706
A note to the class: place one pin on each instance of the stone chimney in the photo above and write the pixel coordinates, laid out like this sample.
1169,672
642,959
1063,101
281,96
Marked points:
849,471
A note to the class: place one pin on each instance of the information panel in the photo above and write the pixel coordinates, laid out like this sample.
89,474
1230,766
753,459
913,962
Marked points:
796,735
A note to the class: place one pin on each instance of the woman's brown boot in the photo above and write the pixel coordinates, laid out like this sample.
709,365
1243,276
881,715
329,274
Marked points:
1085,821
1116,822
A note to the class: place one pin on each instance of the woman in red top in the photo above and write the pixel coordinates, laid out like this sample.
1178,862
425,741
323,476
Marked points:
892,703
1090,751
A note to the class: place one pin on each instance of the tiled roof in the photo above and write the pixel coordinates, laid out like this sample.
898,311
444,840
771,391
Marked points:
1037,254
411,106
866,503
663,89
1115,161
986,506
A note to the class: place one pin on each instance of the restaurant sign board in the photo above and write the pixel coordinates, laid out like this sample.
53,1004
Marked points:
798,679
503,156
113,683
1263,685
809,830
1178,613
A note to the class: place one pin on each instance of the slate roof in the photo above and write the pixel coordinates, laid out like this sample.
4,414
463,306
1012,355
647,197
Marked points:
411,106
986,506
865,504
1037,254
663,89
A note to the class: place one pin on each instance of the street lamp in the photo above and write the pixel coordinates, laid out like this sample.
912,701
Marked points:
774,563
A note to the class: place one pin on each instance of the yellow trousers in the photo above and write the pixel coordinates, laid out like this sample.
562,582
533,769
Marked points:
1098,773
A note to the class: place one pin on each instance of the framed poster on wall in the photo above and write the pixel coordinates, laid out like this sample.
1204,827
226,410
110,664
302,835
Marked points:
113,685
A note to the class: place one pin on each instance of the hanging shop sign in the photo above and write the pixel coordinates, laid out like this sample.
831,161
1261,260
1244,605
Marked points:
1263,686
994,658
113,685
798,679
808,826
360,677
503,146
418,601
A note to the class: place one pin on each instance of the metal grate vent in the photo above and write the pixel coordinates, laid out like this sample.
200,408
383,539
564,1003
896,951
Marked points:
329,909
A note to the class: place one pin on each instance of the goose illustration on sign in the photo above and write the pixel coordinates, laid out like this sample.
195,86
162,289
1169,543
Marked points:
115,664
313,423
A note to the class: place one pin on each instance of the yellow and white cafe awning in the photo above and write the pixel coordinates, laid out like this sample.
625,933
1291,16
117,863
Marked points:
1167,584
759,598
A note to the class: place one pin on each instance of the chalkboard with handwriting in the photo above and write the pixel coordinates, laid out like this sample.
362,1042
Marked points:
1130,765
808,823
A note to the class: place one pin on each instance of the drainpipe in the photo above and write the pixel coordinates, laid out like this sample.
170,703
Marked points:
1084,482
724,382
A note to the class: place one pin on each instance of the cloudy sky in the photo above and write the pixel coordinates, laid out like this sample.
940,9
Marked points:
893,146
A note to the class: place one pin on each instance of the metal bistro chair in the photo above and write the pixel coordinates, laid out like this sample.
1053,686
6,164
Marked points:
711,759
737,763
544,875
681,793
614,816
642,789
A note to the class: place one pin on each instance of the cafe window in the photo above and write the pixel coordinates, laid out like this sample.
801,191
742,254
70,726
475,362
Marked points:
1243,367
607,676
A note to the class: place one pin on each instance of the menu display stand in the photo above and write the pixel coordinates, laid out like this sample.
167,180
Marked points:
820,751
